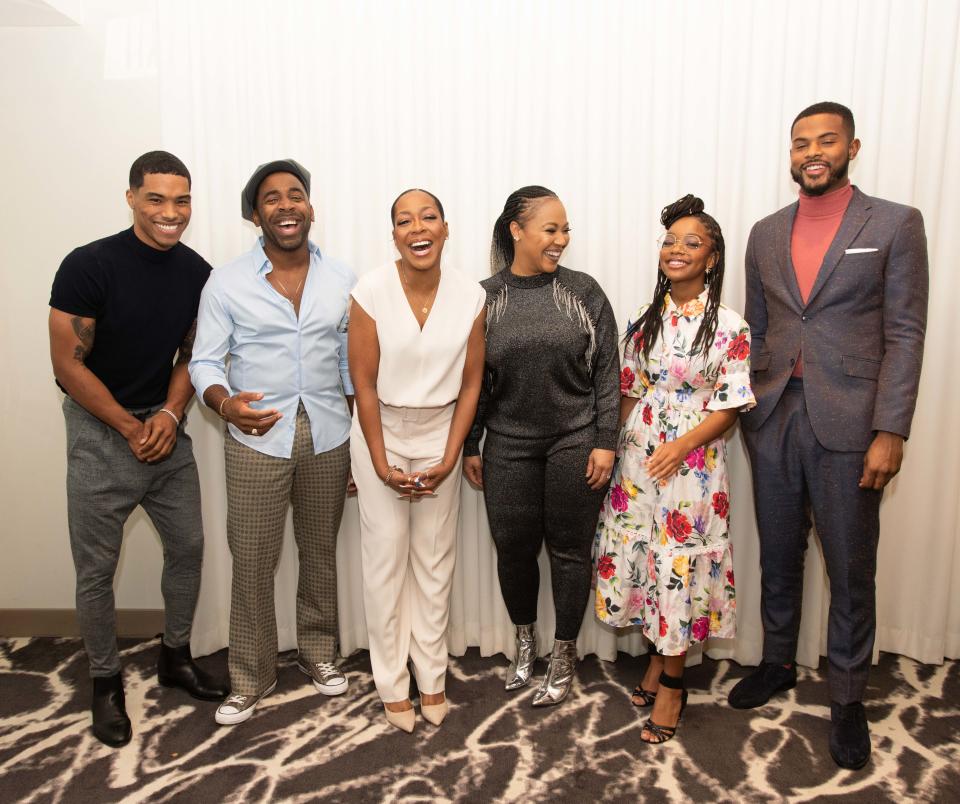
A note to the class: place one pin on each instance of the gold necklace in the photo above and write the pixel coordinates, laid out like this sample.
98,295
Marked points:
426,305
284,287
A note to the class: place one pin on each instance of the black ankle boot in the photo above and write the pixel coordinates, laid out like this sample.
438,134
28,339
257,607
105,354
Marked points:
111,725
176,668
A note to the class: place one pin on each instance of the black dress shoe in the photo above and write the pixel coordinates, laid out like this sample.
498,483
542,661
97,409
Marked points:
176,668
110,722
849,735
757,688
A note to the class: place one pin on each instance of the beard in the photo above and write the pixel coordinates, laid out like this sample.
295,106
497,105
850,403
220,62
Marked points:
287,244
832,179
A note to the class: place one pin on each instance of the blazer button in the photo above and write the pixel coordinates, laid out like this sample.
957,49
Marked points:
803,318
792,361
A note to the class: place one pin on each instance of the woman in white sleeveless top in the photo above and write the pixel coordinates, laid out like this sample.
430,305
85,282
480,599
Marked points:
416,351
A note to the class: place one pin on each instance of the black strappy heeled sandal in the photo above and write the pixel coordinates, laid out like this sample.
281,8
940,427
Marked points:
665,733
642,698
646,697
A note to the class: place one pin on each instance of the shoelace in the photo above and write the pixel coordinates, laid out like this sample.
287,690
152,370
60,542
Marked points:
236,700
326,669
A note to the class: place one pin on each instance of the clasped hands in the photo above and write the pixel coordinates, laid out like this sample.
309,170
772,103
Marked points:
414,485
154,439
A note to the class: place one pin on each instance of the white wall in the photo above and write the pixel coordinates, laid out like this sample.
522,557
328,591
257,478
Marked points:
68,138
620,106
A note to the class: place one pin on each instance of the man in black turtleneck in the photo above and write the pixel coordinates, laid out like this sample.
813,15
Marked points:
121,309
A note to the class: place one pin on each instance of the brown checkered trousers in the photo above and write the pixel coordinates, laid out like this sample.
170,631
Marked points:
259,489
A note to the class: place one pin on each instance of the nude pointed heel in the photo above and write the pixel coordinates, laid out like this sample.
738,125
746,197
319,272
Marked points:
405,720
434,713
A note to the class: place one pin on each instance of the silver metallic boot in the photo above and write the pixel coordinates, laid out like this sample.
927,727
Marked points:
556,683
518,675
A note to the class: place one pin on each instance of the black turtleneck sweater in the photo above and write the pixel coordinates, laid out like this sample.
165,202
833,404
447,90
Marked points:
552,365
144,301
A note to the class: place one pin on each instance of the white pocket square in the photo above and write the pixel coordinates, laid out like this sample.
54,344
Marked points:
859,250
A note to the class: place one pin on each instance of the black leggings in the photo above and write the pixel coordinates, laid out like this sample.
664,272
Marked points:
536,491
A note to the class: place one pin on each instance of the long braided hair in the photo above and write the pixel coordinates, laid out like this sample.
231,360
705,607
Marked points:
516,208
650,324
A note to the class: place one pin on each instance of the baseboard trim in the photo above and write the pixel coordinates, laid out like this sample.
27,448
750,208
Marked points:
63,622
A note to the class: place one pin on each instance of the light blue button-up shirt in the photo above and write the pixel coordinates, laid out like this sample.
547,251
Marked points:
272,351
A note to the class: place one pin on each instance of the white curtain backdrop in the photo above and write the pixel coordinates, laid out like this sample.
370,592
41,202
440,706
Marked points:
620,107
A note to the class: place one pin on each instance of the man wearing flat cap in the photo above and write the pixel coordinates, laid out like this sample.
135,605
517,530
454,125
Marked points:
280,313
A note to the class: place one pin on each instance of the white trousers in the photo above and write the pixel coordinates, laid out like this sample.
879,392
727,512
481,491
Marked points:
408,551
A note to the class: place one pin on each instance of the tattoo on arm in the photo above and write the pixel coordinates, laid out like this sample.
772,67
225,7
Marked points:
186,348
84,332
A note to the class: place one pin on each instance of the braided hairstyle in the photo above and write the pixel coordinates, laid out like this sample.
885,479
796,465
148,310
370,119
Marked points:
650,324
516,208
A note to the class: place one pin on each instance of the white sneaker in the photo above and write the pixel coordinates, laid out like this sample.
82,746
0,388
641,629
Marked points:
327,677
238,708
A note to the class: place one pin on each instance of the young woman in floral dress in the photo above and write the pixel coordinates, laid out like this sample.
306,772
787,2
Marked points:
662,549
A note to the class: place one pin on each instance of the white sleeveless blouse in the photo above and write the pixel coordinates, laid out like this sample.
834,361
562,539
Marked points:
420,368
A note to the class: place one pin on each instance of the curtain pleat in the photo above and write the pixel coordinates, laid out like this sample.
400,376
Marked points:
620,107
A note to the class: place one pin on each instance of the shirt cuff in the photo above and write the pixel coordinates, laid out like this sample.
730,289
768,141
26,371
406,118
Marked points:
203,381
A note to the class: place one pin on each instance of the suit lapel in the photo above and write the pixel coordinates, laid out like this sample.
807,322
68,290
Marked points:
857,214
782,250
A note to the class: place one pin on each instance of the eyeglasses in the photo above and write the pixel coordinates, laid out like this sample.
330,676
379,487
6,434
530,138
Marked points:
689,242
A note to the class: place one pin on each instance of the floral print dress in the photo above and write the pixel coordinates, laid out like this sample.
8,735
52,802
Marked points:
662,551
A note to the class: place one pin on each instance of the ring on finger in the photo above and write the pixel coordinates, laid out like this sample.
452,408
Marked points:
254,431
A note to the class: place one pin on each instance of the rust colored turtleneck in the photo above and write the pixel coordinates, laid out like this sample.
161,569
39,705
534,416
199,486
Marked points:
814,228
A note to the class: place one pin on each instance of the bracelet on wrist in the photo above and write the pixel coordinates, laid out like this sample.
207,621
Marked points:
171,414
222,403
391,471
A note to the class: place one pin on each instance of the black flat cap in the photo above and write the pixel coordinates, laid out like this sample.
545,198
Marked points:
248,197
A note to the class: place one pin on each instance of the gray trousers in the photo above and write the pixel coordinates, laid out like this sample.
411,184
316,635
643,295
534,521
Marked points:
794,477
105,482
260,488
